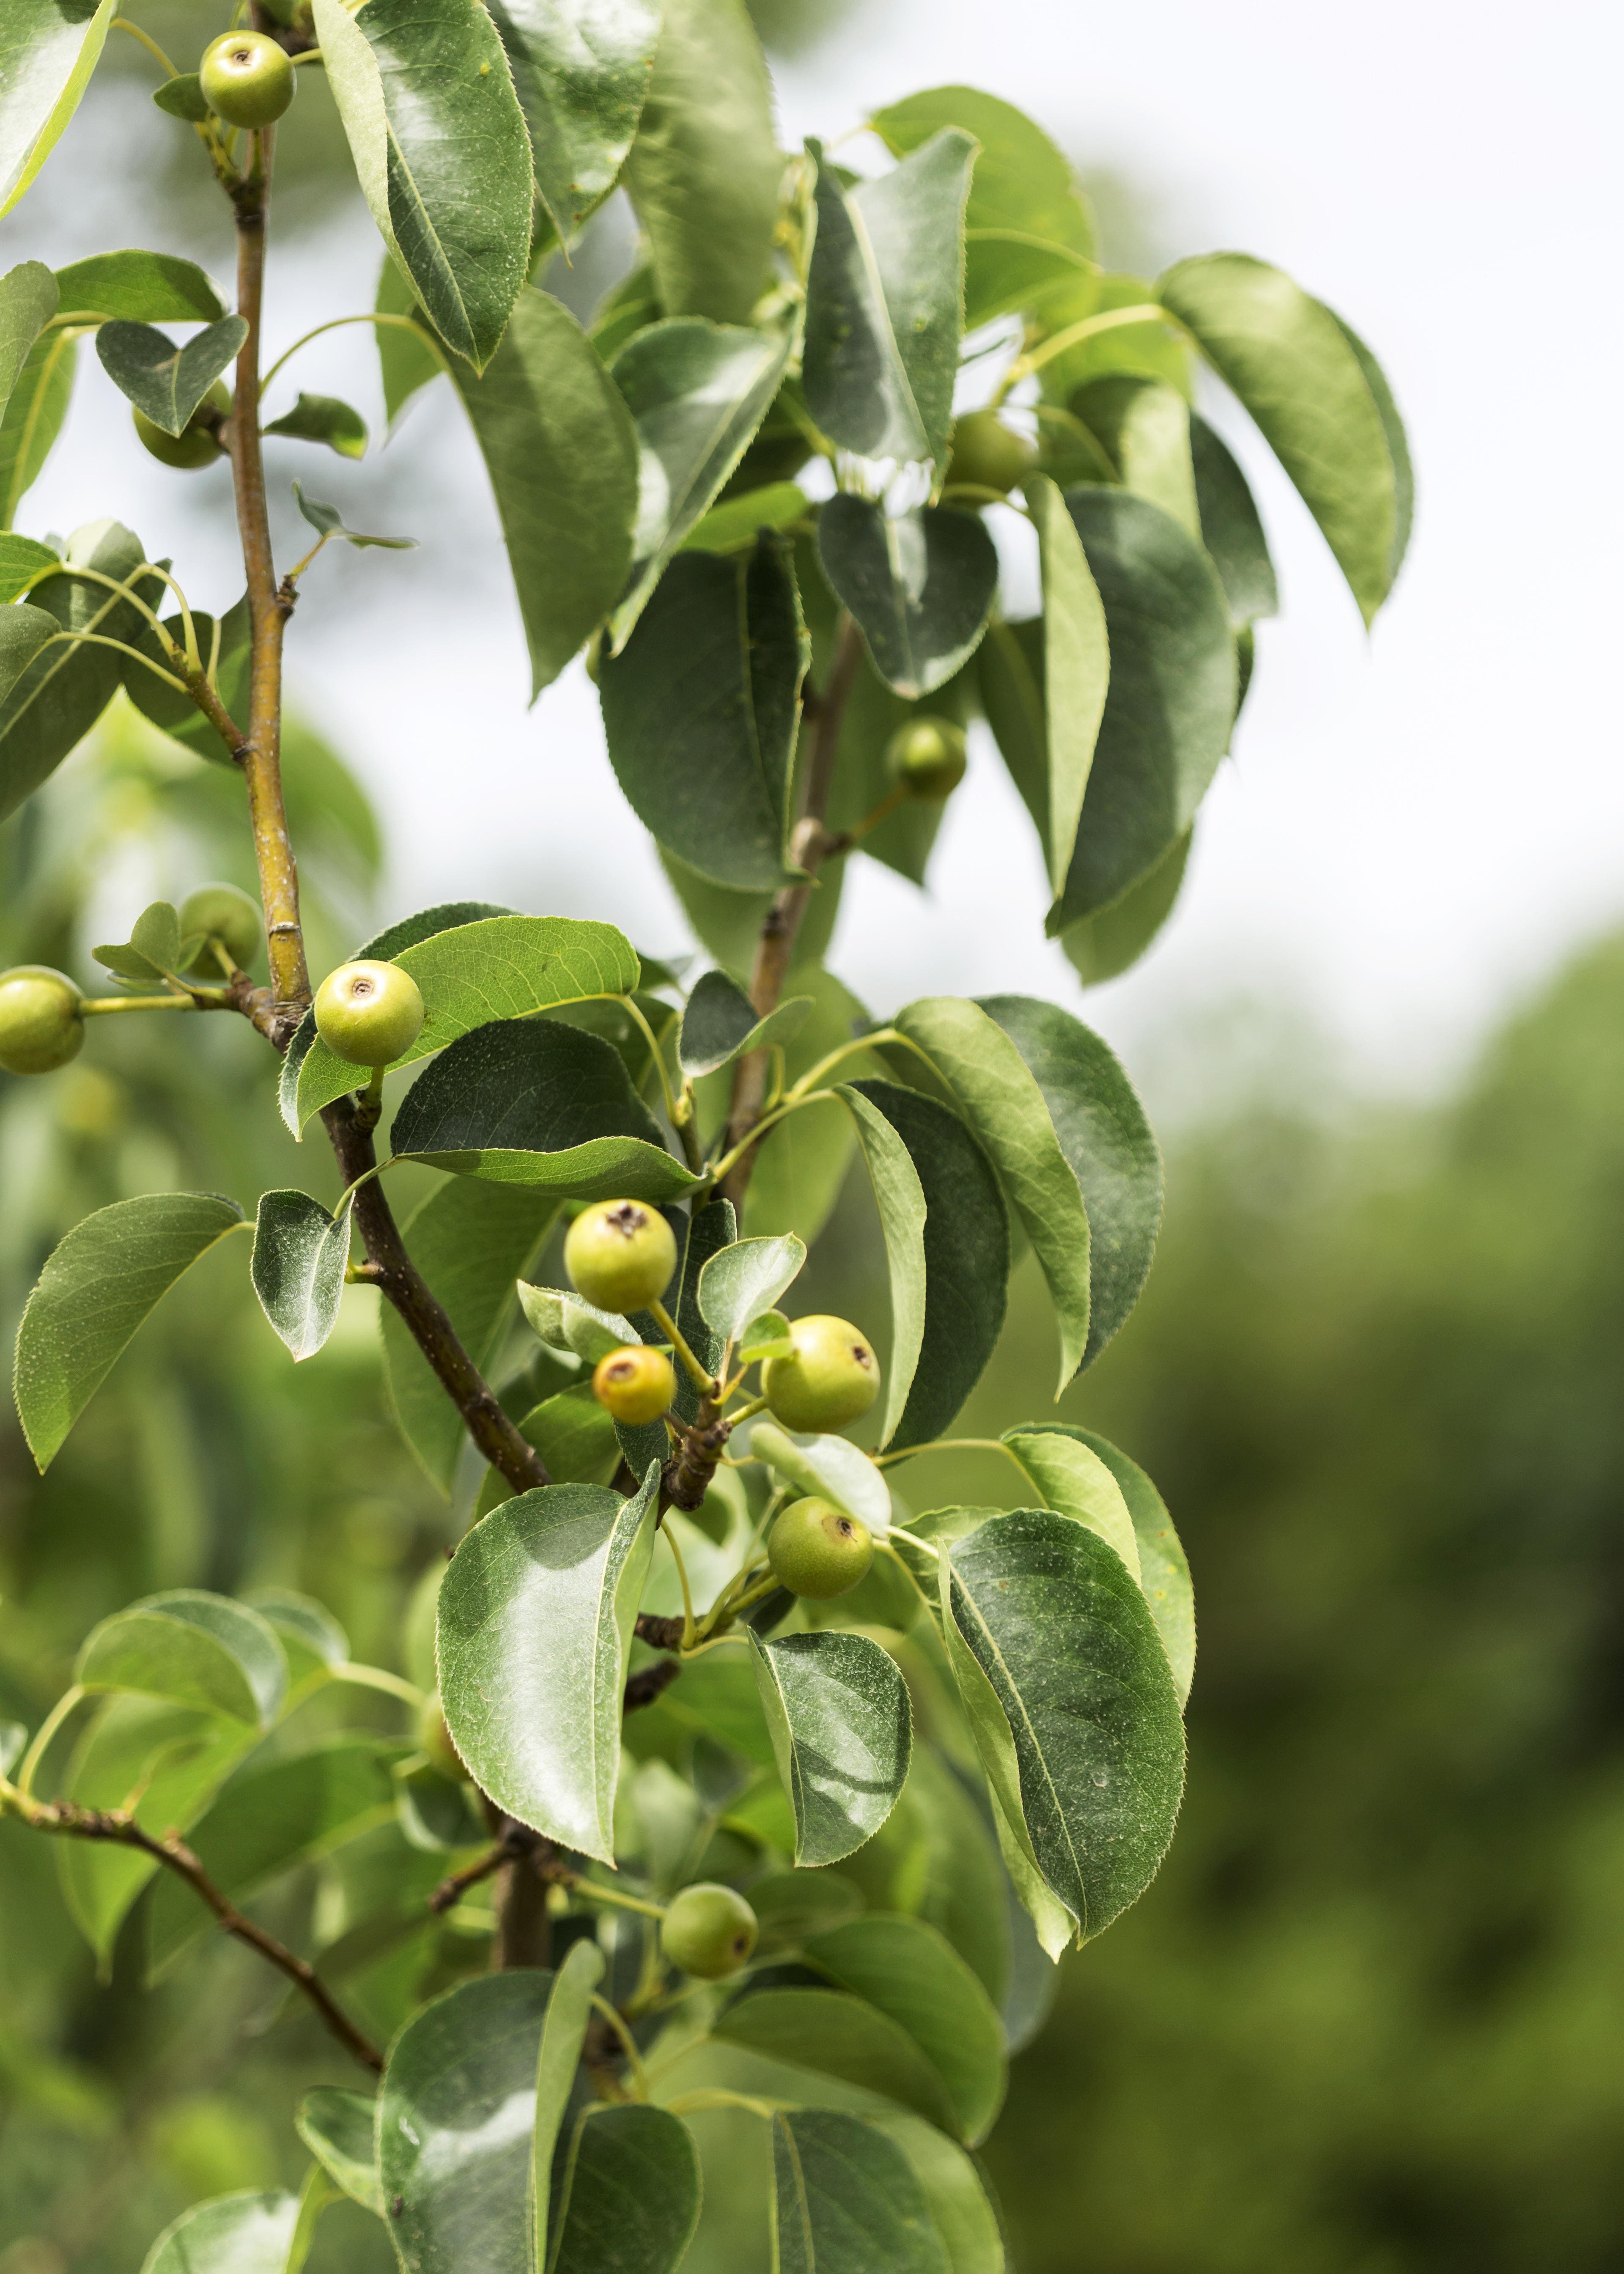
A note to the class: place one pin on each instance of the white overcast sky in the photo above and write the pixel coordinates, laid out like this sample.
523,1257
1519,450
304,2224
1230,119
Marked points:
1416,827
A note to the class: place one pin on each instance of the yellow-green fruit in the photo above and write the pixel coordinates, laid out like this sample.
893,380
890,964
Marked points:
831,1377
637,1384
928,758
619,1255
708,1930
247,79
816,1549
435,1739
369,1013
198,443
41,1025
987,454
228,915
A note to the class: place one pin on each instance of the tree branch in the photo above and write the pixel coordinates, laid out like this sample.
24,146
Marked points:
809,846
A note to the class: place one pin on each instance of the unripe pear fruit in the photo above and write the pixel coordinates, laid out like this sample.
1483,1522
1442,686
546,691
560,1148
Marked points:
619,1255
927,757
40,1024
198,443
636,1384
247,79
708,1930
228,915
435,1740
369,1013
986,455
831,1377
816,1549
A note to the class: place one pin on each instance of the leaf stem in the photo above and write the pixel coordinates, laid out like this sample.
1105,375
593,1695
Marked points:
379,1677
404,323
679,1112
703,1380
882,1035
92,1005
29,1766
123,24
758,1129
1074,335
628,2044
670,1539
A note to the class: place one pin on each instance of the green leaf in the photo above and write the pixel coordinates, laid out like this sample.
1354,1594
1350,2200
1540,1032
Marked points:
183,97
712,1226
1077,670
845,2200
565,1321
1304,381
563,2031
330,521
1065,1641
324,418
407,360
1398,444
427,100
534,1102
994,1090
910,1973
801,1165
1066,1475
96,1289
701,708
48,50
965,1256
1143,427
628,2195
899,1199
919,585
937,1860
828,1466
27,303
1106,1139
313,1640
193,1649
339,2129
267,1820
63,692
1231,529
472,1242
141,288
33,417
791,1905
165,382
1170,705
738,1283
731,526
576,1441
476,964
248,2233
1104,946
842,1733
535,1627
580,68
24,630
1152,348
1164,1573
300,1254
704,170
835,2035
174,710
719,1024
696,392
958,2202
561,452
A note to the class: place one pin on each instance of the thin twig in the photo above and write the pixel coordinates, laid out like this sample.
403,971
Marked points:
452,1889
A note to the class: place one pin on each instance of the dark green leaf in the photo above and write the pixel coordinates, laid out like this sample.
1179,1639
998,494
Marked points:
338,2127
407,360
1077,670
1143,427
142,288
193,1649
920,586
1231,527
300,1254
1164,1573
624,311
705,168
535,1627
629,2193
1171,702
574,1436
248,2233
845,2200
48,50
582,70
324,418
1107,1141
719,1024
330,521
958,2202
229,645
165,382
439,144
24,630
183,97
701,708
27,303
33,417
1104,946
910,1973
710,1228
835,2035
966,1257
900,1199
738,1283
1305,380
95,1290
837,1713
561,452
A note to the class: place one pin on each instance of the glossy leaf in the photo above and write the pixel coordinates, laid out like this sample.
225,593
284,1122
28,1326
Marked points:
1304,380
1104,946
166,382
1164,1572
300,1255
563,2030
192,1649
439,144
910,1972
1172,701
27,303
842,1733
582,69
33,417
919,585
958,2205
628,2195
48,50
535,1627
827,1466
477,964
248,2233
1064,1638
141,288
966,1257
704,170
701,708
738,1283
899,1199
339,2129
719,1024
472,1242
845,2200
1066,1475
97,1287
994,1090
1106,1138
324,418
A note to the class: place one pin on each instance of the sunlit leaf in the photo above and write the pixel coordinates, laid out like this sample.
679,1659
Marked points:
842,1733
